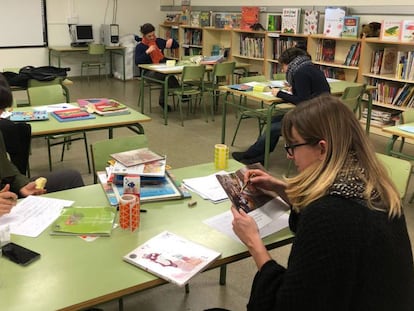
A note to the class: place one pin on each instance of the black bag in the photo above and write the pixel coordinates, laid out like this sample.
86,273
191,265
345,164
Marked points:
43,73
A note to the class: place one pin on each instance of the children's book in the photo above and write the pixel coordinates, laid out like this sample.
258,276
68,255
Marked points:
389,61
351,27
150,169
205,18
171,257
334,21
84,221
110,107
85,102
249,16
328,50
390,30
195,19
291,20
407,30
74,114
211,60
136,157
27,116
274,22
241,87
311,22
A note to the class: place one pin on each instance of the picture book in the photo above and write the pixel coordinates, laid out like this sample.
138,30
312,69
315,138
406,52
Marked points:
74,114
311,22
195,19
150,169
351,27
274,22
137,156
241,87
328,50
211,60
334,21
27,116
407,30
291,20
85,102
389,61
110,107
390,30
204,17
84,221
171,257
249,16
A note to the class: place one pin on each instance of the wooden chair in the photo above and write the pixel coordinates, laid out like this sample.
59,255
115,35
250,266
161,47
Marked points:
49,95
101,150
96,59
191,90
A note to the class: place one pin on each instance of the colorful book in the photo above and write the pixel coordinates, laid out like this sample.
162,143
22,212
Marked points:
311,22
241,87
351,27
85,221
172,257
195,19
389,61
291,20
249,16
407,31
204,17
328,50
86,102
390,30
136,156
274,22
27,116
334,21
75,114
110,107
150,169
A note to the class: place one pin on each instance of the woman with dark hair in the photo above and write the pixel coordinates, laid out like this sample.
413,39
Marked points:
151,51
305,81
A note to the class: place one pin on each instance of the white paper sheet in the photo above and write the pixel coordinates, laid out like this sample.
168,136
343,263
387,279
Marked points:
32,215
207,187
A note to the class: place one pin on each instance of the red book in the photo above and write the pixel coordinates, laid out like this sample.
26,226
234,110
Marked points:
71,113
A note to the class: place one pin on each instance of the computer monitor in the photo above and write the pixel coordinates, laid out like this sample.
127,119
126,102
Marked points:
81,34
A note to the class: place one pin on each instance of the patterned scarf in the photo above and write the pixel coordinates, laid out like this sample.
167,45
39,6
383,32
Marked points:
156,55
294,66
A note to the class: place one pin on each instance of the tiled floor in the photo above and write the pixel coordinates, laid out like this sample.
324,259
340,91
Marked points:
184,146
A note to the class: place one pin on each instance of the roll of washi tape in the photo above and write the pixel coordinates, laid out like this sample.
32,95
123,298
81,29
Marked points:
261,88
127,204
221,156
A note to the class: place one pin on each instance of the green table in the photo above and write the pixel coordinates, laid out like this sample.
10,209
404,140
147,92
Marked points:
73,274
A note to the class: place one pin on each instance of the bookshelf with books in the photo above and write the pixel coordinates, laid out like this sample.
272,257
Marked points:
275,44
389,66
249,47
337,54
216,37
191,40
167,31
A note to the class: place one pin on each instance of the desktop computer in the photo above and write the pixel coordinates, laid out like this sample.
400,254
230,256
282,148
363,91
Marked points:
110,34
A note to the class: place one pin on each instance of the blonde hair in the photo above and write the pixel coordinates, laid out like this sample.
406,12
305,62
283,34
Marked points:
326,118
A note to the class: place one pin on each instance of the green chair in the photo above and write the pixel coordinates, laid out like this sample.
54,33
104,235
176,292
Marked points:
96,59
223,74
399,171
352,97
406,117
191,90
49,95
101,150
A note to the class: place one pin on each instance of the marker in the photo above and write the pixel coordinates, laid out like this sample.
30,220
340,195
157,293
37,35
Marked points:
142,210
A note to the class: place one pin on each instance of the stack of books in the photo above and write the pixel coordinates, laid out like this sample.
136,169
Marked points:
155,182
103,106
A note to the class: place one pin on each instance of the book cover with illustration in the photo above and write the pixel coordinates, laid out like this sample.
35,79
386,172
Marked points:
85,102
291,20
136,156
407,30
390,30
172,257
334,21
27,116
110,107
274,22
328,50
389,61
150,169
311,22
351,27
205,17
249,16
84,221
74,114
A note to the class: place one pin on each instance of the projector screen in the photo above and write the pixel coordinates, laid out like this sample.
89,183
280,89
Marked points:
23,23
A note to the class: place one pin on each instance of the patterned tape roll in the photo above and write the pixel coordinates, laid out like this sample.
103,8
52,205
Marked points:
221,156
129,212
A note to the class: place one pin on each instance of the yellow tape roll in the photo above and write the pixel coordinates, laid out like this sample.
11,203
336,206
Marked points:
221,156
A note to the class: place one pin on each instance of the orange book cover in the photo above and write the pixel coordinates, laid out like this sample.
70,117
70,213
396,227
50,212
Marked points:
249,16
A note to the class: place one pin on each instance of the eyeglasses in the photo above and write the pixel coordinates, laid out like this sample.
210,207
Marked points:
290,149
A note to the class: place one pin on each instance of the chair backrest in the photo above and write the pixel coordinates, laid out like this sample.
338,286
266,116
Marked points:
101,150
399,171
222,72
35,83
46,95
352,97
17,138
407,116
279,76
259,78
96,49
193,73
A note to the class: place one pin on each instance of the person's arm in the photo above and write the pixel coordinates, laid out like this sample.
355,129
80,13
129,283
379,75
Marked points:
261,179
301,89
141,57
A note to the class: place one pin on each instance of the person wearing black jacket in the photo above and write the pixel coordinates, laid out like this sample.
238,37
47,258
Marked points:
305,81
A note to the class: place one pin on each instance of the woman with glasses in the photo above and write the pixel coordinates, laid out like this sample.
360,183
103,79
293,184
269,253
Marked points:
351,249
305,81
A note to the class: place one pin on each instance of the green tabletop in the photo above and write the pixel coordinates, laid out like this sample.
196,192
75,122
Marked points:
74,274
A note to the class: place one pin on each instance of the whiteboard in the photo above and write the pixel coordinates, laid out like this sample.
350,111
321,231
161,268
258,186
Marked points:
23,23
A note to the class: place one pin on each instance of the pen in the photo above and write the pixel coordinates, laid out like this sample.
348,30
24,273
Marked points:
142,210
247,183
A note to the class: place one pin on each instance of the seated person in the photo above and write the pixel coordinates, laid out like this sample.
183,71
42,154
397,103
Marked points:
305,80
151,51
13,184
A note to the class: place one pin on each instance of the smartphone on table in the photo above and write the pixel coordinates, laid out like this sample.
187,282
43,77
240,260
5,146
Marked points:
19,254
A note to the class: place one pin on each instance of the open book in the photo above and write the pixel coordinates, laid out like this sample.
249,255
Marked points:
84,220
136,156
171,257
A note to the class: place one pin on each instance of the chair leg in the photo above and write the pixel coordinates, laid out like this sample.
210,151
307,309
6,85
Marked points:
85,140
237,129
49,153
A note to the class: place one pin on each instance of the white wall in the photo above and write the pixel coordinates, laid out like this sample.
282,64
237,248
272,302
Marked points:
130,15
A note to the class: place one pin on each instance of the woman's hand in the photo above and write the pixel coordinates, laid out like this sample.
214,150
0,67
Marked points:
150,49
30,189
169,43
8,199
275,91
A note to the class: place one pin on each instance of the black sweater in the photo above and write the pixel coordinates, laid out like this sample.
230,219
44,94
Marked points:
344,257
